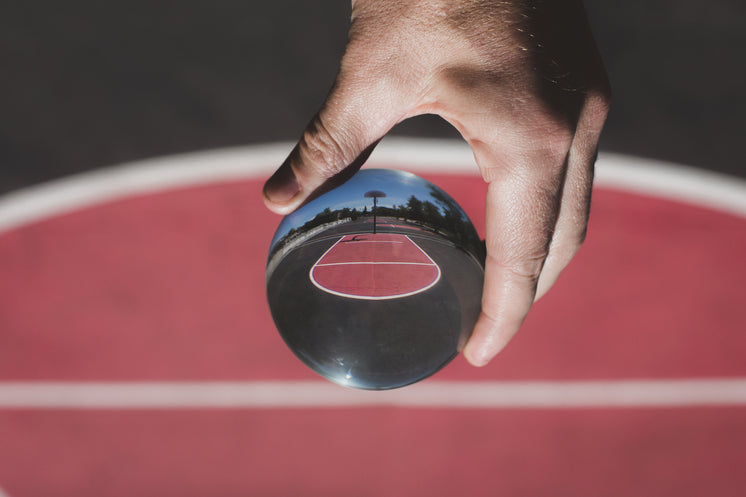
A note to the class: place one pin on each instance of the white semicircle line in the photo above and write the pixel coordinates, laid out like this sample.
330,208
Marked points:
627,173
370,297
357,242
368,263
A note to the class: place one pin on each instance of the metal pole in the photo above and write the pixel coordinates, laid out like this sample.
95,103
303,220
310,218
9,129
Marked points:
375,203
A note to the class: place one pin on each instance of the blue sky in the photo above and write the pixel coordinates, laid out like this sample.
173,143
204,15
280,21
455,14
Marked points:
398,186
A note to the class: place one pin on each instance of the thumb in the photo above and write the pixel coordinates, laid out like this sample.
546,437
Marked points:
334,145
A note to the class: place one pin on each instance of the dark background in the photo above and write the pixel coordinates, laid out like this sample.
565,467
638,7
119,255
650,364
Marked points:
86,84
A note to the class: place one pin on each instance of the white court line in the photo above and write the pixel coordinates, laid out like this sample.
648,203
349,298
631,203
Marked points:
361,263
634,174
720,392
371,241
3,493
310,271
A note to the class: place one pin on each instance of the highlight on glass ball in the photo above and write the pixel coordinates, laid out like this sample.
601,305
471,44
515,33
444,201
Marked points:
377,283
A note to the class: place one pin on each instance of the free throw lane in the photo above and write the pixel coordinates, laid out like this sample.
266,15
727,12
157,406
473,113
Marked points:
169,286
375,267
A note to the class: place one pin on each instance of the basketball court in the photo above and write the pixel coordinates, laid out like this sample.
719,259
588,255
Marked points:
138,355
402,268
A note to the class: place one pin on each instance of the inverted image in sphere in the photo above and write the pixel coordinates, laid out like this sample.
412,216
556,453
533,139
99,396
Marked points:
376,284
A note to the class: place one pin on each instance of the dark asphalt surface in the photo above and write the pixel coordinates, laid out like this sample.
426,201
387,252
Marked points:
375,343
87,84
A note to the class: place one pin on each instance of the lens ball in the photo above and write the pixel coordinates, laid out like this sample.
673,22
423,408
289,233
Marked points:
377,283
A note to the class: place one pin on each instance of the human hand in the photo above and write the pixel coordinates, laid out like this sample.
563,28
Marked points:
521,80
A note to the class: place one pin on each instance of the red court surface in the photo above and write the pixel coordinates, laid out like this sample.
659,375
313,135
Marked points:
637,356
380,266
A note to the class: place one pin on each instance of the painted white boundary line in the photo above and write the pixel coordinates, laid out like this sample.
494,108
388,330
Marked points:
417,155
310,271
3,494
378,263
363,297
136,178
673,181
430,394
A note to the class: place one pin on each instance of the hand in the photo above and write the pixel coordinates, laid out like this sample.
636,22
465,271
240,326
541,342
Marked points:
521,80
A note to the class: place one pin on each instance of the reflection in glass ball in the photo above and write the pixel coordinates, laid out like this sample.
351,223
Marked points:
377,283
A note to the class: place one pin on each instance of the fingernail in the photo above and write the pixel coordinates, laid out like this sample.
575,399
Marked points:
282,186
477,358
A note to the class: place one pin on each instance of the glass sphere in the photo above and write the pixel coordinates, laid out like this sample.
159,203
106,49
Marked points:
377,283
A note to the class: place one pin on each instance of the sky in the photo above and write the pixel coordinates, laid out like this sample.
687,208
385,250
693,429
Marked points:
397,185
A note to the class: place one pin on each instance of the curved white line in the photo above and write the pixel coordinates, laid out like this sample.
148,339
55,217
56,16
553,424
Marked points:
641,393
137,178
633,174
385,263
310,271
437,278
358,242
617,171
366,297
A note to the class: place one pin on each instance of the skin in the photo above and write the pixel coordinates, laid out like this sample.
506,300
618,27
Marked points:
523,83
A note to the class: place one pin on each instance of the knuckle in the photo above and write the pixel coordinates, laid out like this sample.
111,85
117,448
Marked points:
526,268
557,142
546,139
323,149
